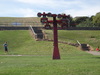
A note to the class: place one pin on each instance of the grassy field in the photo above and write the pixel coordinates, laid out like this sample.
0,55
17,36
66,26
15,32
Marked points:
43,65
39,60
83,36
21,42
20,21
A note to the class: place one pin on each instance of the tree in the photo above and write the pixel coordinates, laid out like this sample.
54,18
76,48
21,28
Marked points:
93,21
96,19
79,20
87,23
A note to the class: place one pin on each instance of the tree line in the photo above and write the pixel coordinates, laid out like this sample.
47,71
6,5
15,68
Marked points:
85,21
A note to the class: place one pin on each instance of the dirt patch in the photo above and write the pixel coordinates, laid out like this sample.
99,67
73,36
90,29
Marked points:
93,52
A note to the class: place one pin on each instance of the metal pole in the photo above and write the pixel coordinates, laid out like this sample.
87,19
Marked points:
56,54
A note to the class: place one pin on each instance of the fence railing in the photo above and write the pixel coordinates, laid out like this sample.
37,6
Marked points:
83,28
35,35
78,42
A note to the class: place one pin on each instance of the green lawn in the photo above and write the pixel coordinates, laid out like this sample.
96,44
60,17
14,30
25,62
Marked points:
23,21
91,37
39,62
21,42
44,65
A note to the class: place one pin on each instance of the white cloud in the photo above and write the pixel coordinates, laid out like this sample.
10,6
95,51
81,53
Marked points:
30,8
86,9
50,3
72,7
26,12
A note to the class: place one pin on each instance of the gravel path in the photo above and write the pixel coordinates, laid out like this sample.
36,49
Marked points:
24,55
93,52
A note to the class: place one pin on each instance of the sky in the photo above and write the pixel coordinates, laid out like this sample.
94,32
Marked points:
30,8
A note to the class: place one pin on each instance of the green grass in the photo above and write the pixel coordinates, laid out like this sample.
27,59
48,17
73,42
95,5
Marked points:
83,36
21,42
39,62
25,21
44,65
